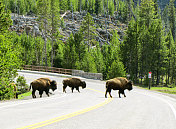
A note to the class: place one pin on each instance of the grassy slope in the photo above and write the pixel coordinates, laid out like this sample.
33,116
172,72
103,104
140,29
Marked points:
161,89
22,96
165,89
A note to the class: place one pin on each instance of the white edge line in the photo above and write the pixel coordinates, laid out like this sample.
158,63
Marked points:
165,101
29,101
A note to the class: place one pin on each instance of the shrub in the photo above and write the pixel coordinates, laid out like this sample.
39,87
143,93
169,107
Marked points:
22,87
6,90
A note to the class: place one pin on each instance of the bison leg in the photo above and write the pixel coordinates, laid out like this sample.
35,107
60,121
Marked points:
40,93
64,89
124,94
72,89
119,94
47,93
78,89
108,90
122,91
106,93
33,94
110,93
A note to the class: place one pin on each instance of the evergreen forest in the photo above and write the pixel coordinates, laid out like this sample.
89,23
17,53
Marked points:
148,43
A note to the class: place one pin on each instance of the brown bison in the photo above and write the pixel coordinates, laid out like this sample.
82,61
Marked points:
43,84
73,83
15,90
119,83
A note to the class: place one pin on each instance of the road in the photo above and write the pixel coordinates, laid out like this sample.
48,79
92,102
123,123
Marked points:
141,109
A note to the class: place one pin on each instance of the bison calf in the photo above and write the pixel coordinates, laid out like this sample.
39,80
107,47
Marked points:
119,83
73,83
42,84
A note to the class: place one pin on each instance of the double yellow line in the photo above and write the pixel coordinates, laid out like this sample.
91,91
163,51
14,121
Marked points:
60,118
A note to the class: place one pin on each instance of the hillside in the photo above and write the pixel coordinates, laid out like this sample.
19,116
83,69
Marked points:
72,23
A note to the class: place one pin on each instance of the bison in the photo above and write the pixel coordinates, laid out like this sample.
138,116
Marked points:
119,83
73,83
43,84
15,90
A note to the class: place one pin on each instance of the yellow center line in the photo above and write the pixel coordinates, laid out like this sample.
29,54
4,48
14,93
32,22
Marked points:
60,118
95,90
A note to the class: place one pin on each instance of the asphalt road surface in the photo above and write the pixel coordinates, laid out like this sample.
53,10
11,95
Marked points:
141,109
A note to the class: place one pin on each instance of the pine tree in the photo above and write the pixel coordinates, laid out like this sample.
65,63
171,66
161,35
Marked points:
58,60
11,6
170,55
70,55
111,7
63,5
116,70
86,5
107,58
91,6
74,5
10,59
147,19
37,46
98,58
130,49
21,6
88,64
172,17
156,7
80,46
5,20
98,7
165,18
54,18
43,15
157,42
9,63
88,29
69,4
112,58
123,11
79,5
146,12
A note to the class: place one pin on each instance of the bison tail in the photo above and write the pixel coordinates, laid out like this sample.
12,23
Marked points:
107,83
30,87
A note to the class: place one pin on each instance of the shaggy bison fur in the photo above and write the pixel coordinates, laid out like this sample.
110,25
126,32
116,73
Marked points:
119,83
73,83
43,84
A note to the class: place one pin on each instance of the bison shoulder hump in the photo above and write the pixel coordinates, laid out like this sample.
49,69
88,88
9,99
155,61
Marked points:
45,80
38,81
66,81
75,80
123,80
113,82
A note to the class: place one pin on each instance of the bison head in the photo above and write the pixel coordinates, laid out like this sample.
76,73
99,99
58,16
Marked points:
53,85
129,85
83,84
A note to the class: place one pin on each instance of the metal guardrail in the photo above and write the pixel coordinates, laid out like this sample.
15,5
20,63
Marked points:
98,76
48,69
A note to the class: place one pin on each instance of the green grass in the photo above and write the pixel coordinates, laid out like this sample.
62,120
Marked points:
22,96
161,89
165,89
